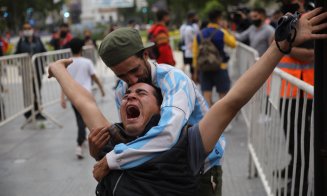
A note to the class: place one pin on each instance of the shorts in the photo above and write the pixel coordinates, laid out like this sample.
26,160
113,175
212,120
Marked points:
219,79
189,61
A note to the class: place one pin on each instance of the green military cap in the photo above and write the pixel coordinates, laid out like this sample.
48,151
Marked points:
121,44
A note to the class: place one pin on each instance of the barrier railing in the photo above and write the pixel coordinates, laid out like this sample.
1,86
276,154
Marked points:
279,119
90,52
25,88
16,94
47,90
241,59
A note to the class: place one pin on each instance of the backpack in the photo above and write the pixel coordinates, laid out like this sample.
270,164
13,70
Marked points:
209,57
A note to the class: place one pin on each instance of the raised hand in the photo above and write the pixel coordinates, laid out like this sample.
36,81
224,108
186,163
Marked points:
310,24
62,63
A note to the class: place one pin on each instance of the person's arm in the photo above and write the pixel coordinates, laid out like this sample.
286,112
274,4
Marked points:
78,95
244,35
223,111
97,81
195,53
303,54
229,39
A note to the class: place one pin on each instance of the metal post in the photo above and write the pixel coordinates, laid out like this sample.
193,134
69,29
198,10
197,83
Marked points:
320,113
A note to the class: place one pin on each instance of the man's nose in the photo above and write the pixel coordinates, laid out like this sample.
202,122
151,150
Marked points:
131,96
132,80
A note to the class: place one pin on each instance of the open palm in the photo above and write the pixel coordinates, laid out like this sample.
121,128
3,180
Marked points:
309,25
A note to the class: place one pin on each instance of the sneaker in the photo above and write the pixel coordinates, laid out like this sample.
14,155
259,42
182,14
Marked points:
79,152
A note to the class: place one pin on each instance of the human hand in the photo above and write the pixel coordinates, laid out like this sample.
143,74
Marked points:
56,66
309,25
98,138
101,169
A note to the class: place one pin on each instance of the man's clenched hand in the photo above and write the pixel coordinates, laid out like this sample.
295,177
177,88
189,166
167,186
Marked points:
98,138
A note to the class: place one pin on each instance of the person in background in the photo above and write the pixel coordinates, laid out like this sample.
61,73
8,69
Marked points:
300,64
3,46
275,17
188,32
88,41
159,34
82,70
260,35
220,37
31,44
240,19
61,40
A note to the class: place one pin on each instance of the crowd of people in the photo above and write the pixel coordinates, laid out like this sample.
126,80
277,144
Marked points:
170,136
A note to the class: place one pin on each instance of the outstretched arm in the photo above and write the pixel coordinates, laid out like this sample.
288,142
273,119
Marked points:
221,113
78,95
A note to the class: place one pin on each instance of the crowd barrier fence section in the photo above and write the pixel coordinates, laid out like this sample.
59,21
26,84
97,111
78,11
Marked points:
47,90
90,52
25,88
16,91
279,119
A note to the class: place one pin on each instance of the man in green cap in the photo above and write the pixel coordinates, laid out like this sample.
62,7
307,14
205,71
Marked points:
124,53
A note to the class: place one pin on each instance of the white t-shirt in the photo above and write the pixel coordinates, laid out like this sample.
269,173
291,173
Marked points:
190,31
81,70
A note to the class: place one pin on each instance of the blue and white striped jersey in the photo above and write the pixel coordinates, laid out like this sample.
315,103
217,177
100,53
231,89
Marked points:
182,103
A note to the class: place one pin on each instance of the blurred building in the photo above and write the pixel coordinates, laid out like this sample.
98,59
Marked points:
102,11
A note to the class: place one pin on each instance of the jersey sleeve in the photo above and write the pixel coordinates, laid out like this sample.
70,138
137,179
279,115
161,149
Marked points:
178,103
196,152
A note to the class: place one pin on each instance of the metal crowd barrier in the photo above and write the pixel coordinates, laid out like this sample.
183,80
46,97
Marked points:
16,92
25,87
280,132
90,52
47,90
241,59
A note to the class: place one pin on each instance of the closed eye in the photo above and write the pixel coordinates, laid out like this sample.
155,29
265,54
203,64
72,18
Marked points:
141,92
134,70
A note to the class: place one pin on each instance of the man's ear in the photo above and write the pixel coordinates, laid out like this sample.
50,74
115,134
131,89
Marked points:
146,54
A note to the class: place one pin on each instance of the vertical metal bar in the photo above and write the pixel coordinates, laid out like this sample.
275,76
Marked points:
281,127
295,152
290,89
320,122
311,157
303,130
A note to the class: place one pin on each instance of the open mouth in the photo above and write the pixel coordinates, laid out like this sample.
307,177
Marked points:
132,112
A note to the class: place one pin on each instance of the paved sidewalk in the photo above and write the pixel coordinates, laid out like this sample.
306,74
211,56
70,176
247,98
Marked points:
42,162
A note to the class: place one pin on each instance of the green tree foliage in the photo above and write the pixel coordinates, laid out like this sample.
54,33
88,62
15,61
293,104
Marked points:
179,8
19,10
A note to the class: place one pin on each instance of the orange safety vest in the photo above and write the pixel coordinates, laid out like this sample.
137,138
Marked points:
299,69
